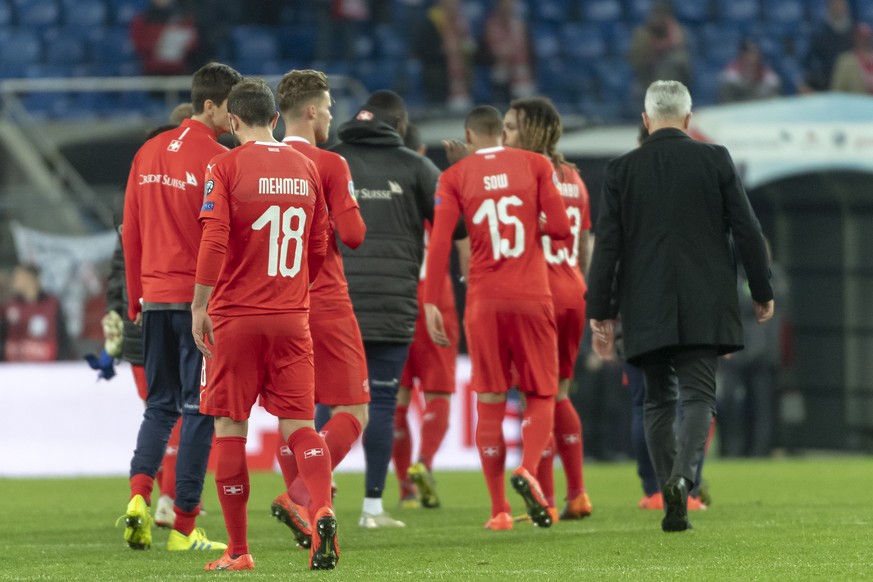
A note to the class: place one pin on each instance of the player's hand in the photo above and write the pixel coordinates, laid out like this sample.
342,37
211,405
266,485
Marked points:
435,326
201,328
455,150
603,341
138,320
764,311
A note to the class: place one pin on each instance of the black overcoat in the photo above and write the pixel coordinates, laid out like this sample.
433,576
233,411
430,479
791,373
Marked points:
674,220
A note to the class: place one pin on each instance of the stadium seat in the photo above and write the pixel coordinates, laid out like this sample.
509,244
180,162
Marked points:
20,46
601,11
582,41
111,45
546,43
123,11
38,13
719,43
865,12
549,10
411,82
481,89
297,43
389,44
614,78
377,74
85,13
253,43
5,13
738,12
64,46
618,38
788,12
692,11
637,11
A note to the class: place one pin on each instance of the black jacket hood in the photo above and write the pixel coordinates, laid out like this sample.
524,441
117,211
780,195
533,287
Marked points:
370,132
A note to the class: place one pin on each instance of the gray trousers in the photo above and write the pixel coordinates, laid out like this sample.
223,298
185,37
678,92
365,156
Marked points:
678,378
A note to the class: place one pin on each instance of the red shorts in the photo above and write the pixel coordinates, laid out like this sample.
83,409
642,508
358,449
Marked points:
259,355
340,362
503,332
432,365
142,387
571,323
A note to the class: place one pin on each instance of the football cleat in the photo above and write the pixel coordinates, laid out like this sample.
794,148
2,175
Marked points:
228,562
165,516
528,487
324,553
501,521
410,502
137,524
655,501
295,516
577,508
375,521
196,540
424,480
695,504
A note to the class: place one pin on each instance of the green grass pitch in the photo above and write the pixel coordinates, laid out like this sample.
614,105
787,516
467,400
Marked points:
795,519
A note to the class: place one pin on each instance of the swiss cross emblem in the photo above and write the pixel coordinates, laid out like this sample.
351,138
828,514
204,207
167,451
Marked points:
313,453
285,451
174,146
364,115
233,489
490,451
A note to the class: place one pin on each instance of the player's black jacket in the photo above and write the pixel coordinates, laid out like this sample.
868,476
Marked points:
394,187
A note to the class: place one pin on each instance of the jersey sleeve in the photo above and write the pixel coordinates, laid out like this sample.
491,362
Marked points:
317,248
549,198
428,180
446,215
339,193
131,239
584,201
215,221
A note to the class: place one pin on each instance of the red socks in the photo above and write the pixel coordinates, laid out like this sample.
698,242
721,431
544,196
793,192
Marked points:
313,464
339,434
287,463
568,441
232,482
401,450
167,474
492,452
536,430
142,484
546,474
435,424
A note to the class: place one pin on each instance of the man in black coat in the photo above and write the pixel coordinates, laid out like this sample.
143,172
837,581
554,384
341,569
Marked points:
394,187
672,216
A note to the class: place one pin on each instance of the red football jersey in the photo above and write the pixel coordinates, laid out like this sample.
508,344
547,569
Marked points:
446,299
565,278
329,295
161,234
263,213
501,193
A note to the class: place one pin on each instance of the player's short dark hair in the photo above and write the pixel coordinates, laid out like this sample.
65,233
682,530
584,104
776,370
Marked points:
253,101
213,82
387,106
484,120
299,88
412,139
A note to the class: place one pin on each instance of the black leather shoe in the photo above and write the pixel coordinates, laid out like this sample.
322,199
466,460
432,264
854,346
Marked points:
676,504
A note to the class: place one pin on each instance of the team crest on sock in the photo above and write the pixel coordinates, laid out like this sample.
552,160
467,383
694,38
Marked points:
490,451
285,451
313,453
233,489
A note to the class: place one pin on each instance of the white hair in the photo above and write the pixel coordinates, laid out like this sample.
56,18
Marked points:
667,100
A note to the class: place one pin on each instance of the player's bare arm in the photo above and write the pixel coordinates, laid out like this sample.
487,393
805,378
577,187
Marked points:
455,150
201,323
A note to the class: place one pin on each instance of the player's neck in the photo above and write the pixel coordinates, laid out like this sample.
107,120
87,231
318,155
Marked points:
261,134
207,121
485,144
297,129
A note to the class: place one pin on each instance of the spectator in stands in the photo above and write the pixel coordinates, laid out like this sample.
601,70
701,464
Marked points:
748,77
853,71
506,48
659,49
181,112
165,38
32,324
747,395
338,24
832,37
444,45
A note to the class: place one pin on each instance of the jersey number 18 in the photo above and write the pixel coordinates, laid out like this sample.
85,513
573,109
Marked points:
277,262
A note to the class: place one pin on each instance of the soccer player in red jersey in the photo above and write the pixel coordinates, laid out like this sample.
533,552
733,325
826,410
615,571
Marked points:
340,364
434,367
510,318
160,240
534,124
264,240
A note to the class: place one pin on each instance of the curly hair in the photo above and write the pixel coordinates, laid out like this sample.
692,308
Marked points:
298,88
540,128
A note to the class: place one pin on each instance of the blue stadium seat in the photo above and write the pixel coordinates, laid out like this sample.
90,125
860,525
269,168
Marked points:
546,43
637,10
787,12
550,10
582,41
110,45
389,44
298,43
411,81
865,12
377,74
20,46
738,12
692,10
481,89
64,46
618,38
123,11
5,13
719,43
86,13
615,79
554,75
252,43
601,10
41,13
259,66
